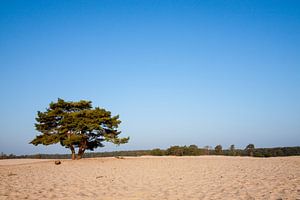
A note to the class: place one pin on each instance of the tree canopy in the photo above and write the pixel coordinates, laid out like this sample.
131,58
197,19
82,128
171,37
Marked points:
77,125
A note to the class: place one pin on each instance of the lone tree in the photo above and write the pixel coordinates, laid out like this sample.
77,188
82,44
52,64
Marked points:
77,125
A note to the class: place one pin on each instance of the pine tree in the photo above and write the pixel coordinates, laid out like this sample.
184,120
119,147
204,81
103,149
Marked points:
77,125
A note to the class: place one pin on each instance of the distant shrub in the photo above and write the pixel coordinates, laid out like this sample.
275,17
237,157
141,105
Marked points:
258,154
38,156
157,152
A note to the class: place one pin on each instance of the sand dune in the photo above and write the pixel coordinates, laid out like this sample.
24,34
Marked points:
142,178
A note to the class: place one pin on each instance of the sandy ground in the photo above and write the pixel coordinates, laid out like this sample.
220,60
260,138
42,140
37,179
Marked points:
22,161
205,177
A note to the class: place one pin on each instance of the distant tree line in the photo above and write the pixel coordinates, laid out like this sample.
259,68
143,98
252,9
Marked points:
86,155
191,150
5,156
250,150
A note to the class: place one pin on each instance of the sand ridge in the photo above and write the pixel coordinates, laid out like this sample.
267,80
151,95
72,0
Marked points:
142,178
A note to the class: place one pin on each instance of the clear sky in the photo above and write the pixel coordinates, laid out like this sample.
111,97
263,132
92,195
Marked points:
178,72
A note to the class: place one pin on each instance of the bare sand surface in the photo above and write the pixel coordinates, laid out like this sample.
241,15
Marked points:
142,178
22,161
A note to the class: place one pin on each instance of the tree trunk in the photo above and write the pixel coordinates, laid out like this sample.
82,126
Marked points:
80,153
73,152
81,150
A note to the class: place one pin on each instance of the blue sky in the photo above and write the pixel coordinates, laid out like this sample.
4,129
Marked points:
177,72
